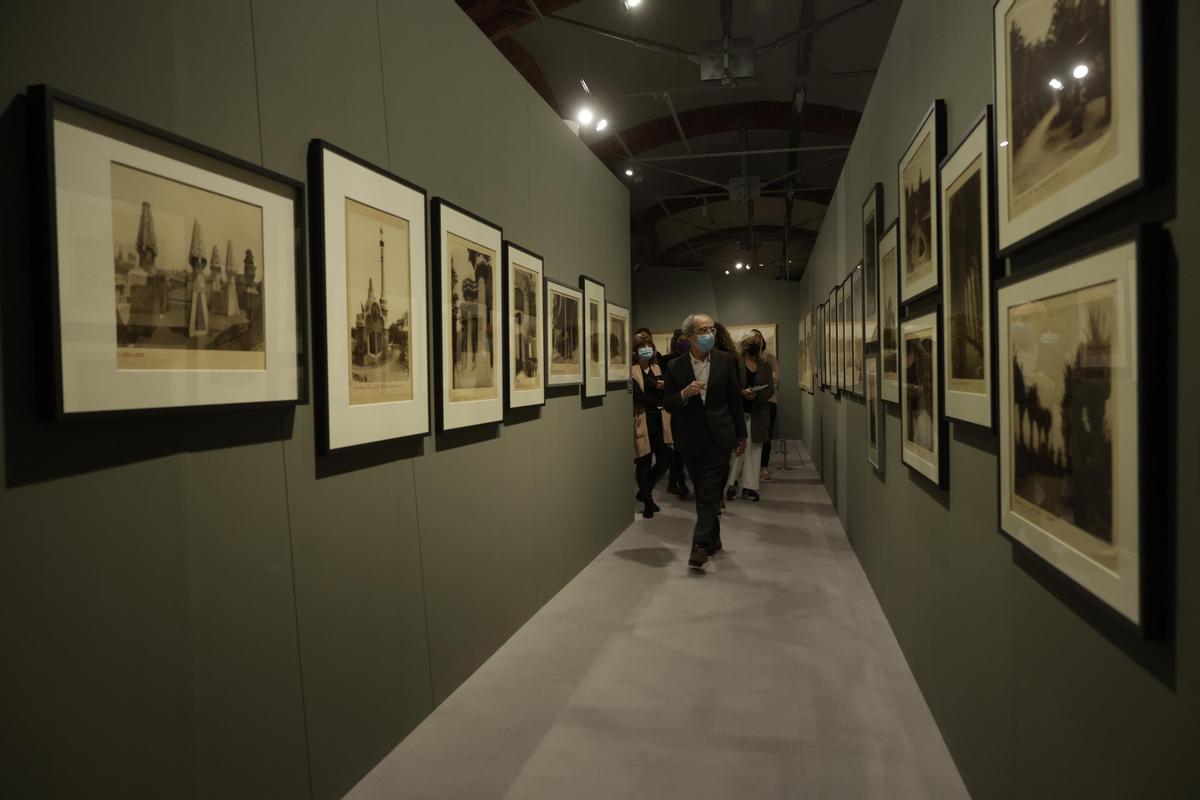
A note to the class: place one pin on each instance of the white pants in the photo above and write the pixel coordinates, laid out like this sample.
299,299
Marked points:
744,469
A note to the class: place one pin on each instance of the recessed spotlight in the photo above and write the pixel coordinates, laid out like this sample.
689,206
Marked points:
601,125
632,4
1080,72
1055,84
1004,143
629,172
738,265
585,115
726,272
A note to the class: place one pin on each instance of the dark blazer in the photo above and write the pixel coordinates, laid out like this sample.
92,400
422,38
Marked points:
715,421
760,409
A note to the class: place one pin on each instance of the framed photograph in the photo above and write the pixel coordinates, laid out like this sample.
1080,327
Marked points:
619,339
176,272
848,358
369,300
524,301
875,413
889,315
856,328
839,336
1074,426
662,341
966,287
467,302
769,331
920,215
564,334
593,337
818,335
872,214
922,425
805,349
1069,111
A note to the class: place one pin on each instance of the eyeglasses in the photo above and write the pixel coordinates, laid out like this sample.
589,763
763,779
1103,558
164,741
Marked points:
706,330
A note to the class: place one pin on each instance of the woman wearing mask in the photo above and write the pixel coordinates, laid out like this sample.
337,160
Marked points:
651,425
757,387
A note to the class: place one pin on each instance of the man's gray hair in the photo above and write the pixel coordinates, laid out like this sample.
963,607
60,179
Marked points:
689,323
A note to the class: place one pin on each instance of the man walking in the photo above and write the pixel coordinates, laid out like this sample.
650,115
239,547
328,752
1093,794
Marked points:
705,402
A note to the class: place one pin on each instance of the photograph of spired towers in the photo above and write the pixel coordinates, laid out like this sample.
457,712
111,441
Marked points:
918,212
472,323
525,321
179,303
377,249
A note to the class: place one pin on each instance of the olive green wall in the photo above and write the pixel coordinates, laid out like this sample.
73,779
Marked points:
197,606
663,296
1034,698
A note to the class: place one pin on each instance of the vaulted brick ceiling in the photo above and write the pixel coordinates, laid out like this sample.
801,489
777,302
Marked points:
690,142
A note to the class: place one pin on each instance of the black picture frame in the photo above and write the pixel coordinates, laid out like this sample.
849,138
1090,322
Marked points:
873,207
584,280
506,326
1154,123
1157,355
319,290
937,114
990,265
549,334
43,99
436,207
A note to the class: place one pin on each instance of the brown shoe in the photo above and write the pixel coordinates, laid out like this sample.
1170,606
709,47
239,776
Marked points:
698,558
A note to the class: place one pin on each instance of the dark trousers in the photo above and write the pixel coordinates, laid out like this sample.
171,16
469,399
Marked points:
707,470
677,477
766,456
650,468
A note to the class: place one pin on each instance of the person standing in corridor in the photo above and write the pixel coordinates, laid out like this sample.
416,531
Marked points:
705,399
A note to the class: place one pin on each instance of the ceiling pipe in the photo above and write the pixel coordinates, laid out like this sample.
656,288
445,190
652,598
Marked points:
740,153
645,44
788,38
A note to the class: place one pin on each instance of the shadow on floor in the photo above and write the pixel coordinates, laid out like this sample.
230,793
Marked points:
647,556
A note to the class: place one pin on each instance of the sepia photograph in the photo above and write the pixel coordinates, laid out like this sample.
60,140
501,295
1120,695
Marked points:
965,280
1061,101
870,255
473,293
917,207
1073,432
566,351
920,413
189,276
921,426
1063,410
595,361
889,309
856,329
618,343
871,394
526,322
377,293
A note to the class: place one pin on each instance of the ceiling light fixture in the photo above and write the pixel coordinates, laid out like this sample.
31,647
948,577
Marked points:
1056,84
632,4
1004,143
601,125
585,116
629,172
726,272
738,265
1080,72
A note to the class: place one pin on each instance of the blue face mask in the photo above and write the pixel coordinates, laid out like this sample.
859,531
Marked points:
705,342
646,353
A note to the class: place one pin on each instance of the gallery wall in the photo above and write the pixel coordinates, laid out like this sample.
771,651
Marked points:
663,296
1036,697
196,605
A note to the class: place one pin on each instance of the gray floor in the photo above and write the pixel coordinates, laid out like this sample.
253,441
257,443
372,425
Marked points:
774,675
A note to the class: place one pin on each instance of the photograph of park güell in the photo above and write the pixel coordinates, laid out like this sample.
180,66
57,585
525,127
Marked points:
377,248
1063,414
526,344
1059,127
565,358
473,311
964,219
179,303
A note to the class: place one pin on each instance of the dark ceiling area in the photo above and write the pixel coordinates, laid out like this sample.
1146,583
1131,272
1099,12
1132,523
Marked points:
729,120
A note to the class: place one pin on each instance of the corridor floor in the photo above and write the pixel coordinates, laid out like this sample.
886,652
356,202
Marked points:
773,675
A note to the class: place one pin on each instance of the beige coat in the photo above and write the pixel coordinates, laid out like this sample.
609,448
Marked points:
641,431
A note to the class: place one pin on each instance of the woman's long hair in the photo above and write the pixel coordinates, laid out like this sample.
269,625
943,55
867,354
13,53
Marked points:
724,340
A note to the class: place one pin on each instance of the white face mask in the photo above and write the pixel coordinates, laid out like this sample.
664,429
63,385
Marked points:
646,353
